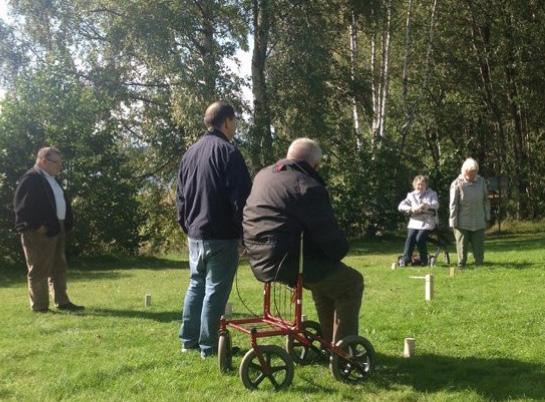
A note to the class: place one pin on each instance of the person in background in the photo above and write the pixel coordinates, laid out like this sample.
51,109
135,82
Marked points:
213,184
43,216
421,205
290,198
469,212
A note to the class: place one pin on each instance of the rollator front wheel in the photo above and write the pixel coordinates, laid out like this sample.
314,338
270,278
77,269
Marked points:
305,353
225,355
355,367
278,369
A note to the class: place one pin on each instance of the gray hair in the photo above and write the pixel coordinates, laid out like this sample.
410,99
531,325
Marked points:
44,152
305,149
470,165
420,178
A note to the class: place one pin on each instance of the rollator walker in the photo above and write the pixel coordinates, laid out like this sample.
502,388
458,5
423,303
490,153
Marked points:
351,359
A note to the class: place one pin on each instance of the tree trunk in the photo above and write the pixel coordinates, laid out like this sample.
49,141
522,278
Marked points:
261,140
209,50
353,54
520,129
385,75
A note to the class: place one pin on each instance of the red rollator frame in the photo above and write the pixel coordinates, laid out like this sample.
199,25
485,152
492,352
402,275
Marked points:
351,359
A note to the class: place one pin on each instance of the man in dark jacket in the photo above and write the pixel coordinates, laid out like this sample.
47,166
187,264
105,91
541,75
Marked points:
290,198
213,184
42,216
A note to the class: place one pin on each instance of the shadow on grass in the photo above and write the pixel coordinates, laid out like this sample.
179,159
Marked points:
494,378
518,243
384,245
108,263
93,268
159,316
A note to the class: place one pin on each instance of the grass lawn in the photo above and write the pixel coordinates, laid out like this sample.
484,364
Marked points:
481,338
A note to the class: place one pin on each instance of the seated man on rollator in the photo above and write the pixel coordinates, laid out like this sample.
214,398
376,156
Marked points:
287,198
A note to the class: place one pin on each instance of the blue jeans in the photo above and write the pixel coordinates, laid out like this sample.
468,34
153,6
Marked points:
212,265
416,237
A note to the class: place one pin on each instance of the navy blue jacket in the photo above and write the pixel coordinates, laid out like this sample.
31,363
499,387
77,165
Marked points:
34,205
213,184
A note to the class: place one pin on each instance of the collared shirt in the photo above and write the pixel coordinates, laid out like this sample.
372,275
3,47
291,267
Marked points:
60,203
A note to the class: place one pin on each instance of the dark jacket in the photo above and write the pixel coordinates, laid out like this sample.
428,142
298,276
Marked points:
34,205
213,184
286,199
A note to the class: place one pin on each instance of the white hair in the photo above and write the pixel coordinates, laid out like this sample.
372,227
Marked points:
470,165
305,149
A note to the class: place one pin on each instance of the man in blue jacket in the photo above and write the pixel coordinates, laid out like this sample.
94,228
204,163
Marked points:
42,216
213,184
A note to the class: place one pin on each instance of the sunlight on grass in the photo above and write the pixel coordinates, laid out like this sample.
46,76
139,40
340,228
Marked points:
482,337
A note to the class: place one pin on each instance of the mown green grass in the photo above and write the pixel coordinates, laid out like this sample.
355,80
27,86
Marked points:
482,337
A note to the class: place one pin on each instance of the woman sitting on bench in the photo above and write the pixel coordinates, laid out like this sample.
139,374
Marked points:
421,205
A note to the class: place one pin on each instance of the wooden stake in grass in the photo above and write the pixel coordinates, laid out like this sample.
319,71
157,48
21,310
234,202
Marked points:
409,347
147,300
452,271
428,285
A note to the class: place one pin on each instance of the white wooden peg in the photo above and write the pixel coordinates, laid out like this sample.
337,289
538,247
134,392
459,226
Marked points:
409,347
429,287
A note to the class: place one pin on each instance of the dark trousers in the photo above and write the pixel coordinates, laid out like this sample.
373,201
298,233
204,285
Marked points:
338,299
416,237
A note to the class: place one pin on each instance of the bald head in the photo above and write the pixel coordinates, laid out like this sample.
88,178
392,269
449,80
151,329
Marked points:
305,149
221,116
217,113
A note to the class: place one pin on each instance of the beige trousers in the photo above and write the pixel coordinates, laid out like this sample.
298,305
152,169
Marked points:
46,263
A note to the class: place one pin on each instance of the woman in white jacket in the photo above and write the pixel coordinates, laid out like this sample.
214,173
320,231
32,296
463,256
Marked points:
421,205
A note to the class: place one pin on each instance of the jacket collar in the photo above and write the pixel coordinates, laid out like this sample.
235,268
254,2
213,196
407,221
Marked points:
43,172
217,133
299,165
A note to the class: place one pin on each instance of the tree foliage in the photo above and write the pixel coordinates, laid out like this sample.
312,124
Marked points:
390,88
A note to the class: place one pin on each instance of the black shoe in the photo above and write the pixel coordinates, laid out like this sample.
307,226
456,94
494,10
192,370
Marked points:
70,307
235,350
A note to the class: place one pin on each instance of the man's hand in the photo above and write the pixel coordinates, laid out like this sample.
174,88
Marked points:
42,230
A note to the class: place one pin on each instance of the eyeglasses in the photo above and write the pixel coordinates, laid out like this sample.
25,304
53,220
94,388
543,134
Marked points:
56,162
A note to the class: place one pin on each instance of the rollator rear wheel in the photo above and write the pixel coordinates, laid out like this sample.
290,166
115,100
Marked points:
225,355
361,356
280,368
301,353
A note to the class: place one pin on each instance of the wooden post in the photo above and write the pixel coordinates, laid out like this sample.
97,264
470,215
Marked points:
409,347
147,300
429,286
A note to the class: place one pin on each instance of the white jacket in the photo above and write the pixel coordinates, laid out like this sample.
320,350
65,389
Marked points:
425,218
